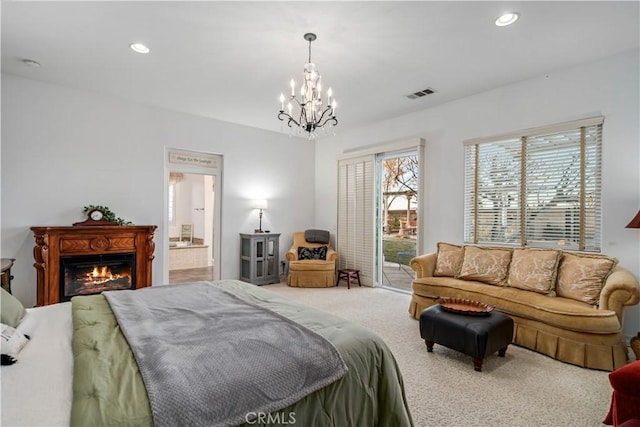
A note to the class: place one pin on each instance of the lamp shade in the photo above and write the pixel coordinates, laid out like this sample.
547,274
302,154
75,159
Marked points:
259,204
635,222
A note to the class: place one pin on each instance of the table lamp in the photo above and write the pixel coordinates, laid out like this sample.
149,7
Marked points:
259,204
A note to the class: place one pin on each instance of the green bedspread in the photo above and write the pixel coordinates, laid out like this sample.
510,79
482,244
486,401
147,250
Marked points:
108,388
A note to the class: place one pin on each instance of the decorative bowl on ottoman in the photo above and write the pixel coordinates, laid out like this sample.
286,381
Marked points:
464,306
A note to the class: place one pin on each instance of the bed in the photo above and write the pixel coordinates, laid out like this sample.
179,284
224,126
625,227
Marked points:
41,389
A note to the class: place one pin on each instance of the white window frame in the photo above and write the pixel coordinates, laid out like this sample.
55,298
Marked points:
513,182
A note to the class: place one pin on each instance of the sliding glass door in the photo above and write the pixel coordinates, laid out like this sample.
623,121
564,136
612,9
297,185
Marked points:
379,205
399,217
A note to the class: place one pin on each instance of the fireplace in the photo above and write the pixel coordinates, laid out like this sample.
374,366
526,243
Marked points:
92,274
83,260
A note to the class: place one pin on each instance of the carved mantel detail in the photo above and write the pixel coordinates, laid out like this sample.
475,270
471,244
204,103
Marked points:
55,242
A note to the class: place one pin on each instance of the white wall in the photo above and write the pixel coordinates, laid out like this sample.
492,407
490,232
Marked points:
609,88
63,149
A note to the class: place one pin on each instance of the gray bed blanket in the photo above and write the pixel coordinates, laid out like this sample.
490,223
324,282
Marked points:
209,358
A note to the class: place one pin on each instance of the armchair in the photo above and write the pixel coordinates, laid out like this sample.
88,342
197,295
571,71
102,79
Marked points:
311,273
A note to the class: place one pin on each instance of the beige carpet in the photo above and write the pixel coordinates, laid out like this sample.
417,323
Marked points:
522,389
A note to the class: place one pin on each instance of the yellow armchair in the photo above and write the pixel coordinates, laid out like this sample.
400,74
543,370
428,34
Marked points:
311,273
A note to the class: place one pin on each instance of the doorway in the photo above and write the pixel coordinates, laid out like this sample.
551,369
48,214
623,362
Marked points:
362,232
190,227
193,216
397,232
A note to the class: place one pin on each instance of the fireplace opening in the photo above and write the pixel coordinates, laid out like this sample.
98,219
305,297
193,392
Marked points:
93,274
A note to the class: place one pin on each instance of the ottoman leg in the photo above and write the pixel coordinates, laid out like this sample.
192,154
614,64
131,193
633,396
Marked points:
502,351
477,364
429,345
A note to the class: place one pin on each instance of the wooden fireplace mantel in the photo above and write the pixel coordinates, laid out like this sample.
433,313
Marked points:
55,242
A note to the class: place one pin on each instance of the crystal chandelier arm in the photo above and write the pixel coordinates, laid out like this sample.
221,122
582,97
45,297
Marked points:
330,117
284,116
329,120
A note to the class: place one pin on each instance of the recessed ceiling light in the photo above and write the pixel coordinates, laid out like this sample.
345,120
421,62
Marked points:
139,47
507,19
31,63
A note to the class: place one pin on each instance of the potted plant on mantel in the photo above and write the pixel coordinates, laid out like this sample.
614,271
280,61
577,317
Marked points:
101,215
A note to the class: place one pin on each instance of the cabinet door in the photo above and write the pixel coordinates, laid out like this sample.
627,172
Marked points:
270,261
247,259
260,258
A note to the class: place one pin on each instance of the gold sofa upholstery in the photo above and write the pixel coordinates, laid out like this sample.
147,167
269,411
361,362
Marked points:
310,273
563,328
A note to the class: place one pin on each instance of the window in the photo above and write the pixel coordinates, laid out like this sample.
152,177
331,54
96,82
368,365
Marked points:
539,187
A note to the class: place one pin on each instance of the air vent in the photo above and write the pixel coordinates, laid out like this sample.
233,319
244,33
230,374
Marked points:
420,94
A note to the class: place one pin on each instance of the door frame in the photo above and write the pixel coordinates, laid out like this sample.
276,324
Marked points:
198,163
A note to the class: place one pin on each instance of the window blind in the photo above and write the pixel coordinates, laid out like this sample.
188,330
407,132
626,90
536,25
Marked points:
355,239
540,190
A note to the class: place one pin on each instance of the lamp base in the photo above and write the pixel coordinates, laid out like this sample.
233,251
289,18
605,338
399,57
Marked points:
257,230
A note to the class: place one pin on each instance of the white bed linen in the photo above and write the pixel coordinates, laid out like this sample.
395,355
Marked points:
37,390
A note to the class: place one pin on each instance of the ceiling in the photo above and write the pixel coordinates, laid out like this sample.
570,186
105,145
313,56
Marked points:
231,60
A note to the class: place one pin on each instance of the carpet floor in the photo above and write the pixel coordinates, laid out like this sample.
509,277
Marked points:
522,389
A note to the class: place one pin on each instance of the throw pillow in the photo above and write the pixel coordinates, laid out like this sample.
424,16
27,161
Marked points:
11,309
582,276
488,265
317,236
11,342
312,253
534,270
448,260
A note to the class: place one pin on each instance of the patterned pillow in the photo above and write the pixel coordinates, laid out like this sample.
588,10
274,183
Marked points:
488,265
312,253
534,270
582,276
448,260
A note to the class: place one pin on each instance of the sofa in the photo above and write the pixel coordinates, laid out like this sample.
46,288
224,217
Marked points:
566,305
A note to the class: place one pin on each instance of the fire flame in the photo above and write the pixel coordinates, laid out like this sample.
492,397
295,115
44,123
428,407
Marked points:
101,274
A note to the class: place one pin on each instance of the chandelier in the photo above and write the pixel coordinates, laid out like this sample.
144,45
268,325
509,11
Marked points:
310,110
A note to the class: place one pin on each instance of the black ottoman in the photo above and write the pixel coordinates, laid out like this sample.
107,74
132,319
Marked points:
476,336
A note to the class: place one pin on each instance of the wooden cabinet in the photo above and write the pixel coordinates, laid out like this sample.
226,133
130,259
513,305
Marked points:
259,258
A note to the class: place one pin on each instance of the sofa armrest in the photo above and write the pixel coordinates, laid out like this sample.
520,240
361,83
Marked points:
332,255
423,265
292,254
621,288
